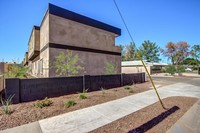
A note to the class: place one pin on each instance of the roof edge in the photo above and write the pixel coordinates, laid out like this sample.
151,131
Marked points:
64,13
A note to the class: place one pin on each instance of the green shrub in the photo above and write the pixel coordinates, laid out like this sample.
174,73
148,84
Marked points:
127,87
6,105
131,91
163,70
171,69
43,103
16,70
115,90
195,68
180,69
70,103
82,96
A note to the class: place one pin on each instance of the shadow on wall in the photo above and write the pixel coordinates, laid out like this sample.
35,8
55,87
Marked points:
153,122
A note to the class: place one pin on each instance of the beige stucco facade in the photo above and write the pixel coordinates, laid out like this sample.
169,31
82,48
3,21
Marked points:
135,69
34,43
95,46
137,66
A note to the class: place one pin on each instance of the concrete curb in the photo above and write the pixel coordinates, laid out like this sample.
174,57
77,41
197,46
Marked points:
33,127
189,122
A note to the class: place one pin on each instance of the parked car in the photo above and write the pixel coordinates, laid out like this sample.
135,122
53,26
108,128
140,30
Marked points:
188,69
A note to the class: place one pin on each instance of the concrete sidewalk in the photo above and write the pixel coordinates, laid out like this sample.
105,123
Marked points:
186,74
90,118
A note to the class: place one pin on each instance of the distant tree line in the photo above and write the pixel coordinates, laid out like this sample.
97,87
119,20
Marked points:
149,51
178,53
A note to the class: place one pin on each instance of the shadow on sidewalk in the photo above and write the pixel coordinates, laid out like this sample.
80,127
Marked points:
153,122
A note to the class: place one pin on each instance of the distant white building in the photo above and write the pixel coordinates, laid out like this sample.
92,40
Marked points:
136,66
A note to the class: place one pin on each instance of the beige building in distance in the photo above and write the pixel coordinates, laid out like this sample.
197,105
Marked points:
137,67
62,30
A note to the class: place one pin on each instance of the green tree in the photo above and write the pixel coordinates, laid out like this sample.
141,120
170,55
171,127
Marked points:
196,52
16,71
122,52
66,64
150,51
191,61
110,68
130,52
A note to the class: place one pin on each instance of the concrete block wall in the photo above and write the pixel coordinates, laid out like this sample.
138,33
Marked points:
34,89
96,82
25,90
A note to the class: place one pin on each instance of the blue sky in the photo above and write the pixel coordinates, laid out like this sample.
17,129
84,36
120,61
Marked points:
159,21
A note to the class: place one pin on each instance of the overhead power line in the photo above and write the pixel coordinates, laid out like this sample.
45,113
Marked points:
139,54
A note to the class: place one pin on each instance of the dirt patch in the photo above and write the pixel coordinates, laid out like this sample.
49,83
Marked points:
152,119
26,112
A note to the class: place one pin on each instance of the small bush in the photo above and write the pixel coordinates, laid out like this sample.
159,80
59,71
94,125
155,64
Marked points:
127,87
171,69
163,70
6,105
70,103
115,90
180,69
195,68
82,96
43,103
131,91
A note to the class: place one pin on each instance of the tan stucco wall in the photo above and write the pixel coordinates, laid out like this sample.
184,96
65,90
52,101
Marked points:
44,31
135,69
44,56
93,63
55,29
37,40
31,44
34,42
64,31
35,66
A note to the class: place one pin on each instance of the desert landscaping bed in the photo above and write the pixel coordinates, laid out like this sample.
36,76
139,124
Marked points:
26,112
152,119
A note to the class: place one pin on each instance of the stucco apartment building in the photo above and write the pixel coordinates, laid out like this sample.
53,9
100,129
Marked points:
62,30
